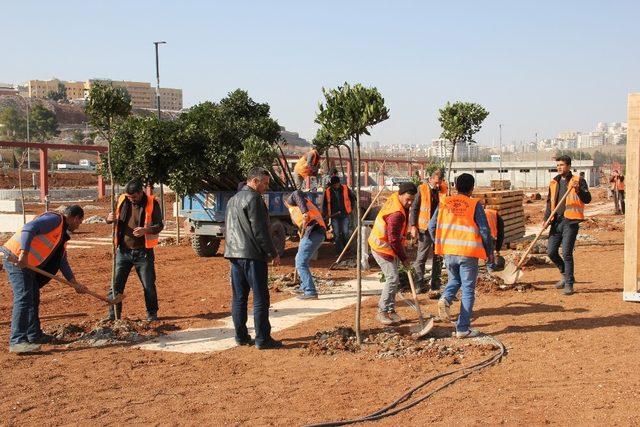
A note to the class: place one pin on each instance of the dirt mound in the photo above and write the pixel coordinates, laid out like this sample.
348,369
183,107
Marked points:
388,343
603,224
286,283
103,333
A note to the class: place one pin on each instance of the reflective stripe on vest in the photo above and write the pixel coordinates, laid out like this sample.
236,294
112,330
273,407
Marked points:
457,232
302,168
42,245
150,240
298,218
492,219
378,240
574,208
345,198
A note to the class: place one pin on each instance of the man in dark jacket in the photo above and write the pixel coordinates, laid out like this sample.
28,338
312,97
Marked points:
566,221
248,247
338,203
139,222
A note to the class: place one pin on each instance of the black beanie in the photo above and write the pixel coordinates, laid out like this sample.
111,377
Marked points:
407,187
335,180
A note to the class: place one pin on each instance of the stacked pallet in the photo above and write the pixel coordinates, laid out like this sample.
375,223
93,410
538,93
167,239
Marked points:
509,205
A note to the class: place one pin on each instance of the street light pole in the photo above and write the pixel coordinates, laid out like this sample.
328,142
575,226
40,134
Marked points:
159,117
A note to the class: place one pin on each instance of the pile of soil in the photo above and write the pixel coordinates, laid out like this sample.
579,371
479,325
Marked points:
286,283
105,333
389,344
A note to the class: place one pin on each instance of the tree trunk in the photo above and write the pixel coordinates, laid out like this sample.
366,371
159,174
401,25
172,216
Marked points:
359,244
453,150
113,229
178,203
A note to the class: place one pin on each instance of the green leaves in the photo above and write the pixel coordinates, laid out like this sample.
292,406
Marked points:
43,123
348,111
256,152
106,106
461,120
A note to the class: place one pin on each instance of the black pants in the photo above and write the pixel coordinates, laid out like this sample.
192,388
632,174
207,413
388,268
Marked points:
563,233
144,262
618,200
425,250
250,274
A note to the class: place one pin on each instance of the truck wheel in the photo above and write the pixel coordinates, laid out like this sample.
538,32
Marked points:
279,236
205,246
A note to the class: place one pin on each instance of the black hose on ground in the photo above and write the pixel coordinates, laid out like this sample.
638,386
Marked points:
394,409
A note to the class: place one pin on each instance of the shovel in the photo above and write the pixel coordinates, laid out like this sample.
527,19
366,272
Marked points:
117,300
423,328
513,272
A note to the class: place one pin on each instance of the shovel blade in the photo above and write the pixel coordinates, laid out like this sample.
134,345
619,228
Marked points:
117,300
510,274
421,330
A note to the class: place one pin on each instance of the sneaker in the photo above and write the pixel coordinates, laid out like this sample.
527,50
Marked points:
471,333
152,317
394,317
269,344
24,348
43,339
560,284
109,318
245,341
443,309
567,290
383,317
307,296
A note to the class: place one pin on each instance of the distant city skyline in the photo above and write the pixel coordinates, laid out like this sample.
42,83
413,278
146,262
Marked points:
544,67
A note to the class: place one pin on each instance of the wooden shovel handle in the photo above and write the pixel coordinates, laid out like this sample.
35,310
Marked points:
544,227
415,296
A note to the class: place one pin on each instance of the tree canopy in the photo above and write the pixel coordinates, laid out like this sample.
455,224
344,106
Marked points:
43,123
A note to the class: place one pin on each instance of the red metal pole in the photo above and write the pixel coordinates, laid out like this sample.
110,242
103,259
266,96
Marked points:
102,190
44,174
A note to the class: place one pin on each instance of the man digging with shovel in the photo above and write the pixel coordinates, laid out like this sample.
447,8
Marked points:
40,243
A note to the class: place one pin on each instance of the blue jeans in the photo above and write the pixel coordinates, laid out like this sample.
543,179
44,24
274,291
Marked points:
309,244
246,275
463,273
144,262
25,320
340,232
563,232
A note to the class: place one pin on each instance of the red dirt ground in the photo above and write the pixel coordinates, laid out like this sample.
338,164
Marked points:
572,360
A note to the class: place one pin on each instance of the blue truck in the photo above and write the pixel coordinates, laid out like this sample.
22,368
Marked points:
205,215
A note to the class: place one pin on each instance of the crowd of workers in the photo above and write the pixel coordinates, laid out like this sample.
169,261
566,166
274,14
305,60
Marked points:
450,228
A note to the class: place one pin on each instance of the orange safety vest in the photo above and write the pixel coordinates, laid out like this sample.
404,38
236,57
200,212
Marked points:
150,240
378,238
305,170
345,198
297,217
457,232
42,245
619,185
492,219
574,208
425,204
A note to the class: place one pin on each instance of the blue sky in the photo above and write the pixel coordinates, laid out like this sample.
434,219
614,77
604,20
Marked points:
543,66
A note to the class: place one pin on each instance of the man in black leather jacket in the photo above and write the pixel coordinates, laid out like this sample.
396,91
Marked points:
248,246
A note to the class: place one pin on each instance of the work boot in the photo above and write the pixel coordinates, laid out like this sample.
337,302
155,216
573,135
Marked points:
471,333
43,339
383,317
560,284
152,317
568,289
307,296
245,341
420,289
395,317
443,310
269,344
24,348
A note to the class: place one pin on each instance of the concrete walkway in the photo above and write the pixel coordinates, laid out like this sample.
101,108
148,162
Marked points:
283,314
